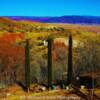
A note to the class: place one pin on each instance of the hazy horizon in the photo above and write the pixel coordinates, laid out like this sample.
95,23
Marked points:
50,16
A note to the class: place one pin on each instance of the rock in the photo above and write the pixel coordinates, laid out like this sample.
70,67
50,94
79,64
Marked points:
43,88
67,88
82,86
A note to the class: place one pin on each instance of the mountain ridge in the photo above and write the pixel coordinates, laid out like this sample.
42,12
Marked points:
61,19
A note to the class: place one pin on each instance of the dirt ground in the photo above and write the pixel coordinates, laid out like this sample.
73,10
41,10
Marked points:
16,93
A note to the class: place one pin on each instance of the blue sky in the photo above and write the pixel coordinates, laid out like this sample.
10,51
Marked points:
49,7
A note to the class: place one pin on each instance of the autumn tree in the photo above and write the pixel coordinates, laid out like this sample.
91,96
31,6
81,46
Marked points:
11,59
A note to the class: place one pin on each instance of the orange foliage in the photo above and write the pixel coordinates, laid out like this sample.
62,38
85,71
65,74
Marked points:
57,48
10,54
11,38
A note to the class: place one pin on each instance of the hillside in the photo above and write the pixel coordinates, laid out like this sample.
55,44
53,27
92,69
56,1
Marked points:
85,48
86,20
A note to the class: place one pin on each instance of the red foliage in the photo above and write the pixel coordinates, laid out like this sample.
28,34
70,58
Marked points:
10,55
11,38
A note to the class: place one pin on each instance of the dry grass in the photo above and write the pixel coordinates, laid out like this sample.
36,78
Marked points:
16,93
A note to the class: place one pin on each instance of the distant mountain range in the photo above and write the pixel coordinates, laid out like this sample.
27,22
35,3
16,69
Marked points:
63,19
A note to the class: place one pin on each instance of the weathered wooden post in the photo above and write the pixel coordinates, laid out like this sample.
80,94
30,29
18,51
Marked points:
50,40
70,65
27,65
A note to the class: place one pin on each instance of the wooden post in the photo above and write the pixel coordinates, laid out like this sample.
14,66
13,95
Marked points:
70,65
27,66
49,62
